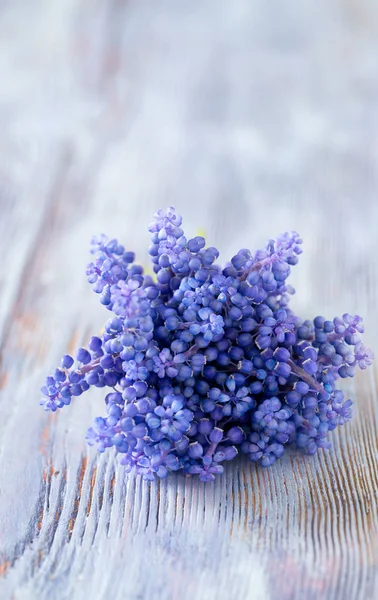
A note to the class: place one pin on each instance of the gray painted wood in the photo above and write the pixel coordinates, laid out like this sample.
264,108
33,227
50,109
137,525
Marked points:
252,118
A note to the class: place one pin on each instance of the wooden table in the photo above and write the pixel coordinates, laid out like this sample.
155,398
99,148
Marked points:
251,118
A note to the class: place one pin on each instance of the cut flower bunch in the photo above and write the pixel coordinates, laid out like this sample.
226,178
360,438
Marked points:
204,362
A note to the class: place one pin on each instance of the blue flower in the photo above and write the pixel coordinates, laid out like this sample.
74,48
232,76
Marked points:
203,360
174,418
261,448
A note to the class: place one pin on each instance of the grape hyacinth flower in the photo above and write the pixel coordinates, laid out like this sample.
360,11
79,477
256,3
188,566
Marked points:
204,362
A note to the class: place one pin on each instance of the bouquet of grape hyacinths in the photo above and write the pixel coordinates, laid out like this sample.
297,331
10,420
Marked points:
203,362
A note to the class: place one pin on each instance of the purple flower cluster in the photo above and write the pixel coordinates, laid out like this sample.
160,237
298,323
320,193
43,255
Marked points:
203,361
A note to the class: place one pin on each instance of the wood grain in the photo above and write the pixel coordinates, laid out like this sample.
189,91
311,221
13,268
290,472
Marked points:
252,118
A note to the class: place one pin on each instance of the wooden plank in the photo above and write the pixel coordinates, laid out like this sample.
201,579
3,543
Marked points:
251,118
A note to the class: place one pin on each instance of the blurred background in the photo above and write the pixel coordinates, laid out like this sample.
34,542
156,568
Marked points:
250,117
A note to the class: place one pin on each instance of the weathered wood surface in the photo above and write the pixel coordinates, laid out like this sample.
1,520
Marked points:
251,117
